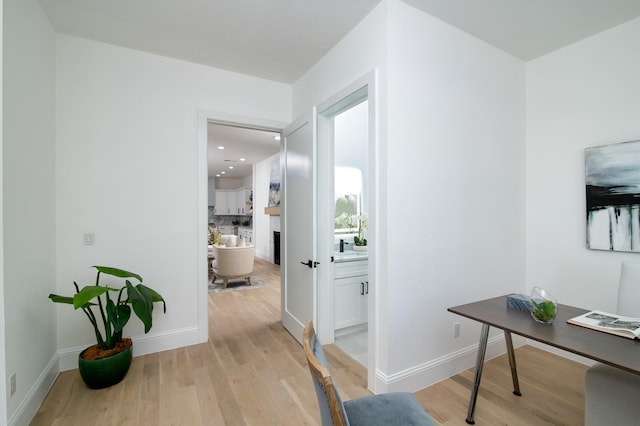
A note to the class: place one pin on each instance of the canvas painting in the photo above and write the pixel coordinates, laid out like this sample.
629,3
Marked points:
274,183
613,196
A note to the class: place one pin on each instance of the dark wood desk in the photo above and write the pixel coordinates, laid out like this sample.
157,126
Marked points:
616,351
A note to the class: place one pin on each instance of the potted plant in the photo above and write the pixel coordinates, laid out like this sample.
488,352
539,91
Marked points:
359,241
544,306
107,362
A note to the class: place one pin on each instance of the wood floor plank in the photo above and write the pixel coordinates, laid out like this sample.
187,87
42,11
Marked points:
253,372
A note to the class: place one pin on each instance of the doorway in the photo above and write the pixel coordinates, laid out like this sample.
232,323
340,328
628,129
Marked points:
231,121
347,291
237,155
344,126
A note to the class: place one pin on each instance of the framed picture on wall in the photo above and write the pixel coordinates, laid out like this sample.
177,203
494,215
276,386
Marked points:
612,177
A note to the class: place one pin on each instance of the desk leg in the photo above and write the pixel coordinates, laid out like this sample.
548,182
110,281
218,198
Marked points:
482,349
512,363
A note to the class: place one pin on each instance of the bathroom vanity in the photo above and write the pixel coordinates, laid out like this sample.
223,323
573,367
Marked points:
351,289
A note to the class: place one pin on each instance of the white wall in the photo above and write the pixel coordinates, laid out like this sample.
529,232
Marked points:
362,51
29,344
128,169
232,183
450,182
587,94
456,125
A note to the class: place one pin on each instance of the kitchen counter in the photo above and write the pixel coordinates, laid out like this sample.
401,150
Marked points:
350,256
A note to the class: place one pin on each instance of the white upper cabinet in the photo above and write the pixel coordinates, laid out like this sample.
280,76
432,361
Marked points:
243,203
232,202
222,202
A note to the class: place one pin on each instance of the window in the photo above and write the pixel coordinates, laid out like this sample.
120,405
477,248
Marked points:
348,193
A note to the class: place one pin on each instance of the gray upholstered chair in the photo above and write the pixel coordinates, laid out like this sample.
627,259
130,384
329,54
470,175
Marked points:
389,409
611,394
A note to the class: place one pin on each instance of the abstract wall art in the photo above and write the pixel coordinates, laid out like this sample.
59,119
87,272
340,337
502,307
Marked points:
274,183
612,176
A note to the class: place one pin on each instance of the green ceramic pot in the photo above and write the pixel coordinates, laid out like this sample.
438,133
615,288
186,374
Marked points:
105,372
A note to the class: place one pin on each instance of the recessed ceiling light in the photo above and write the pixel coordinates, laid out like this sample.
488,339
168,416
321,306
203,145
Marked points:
223,173
276,137
221,147
231,167
242,159
218,175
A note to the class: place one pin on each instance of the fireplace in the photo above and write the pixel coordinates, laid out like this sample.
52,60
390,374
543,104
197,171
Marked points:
276,247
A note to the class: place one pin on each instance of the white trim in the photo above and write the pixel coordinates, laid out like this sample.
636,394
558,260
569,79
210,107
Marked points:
363,88
36,395
560,352
436,370
142,345
203,197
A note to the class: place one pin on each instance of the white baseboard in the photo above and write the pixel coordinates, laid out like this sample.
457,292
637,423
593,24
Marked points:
434,371
142,345
36,395
67,359
560,352
264,255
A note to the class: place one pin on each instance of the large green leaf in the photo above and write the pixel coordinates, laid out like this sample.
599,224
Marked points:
118,315
61,299
155,296
120,273
82,299
142,304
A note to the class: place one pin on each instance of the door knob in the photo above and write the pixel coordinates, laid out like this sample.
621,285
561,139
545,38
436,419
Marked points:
308,263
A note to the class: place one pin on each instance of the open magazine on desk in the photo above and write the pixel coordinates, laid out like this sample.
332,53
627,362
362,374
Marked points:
609,323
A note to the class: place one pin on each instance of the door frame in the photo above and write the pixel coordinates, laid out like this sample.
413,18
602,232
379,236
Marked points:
363,88
204,117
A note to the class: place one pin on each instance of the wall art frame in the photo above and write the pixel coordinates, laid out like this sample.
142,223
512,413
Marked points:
612,181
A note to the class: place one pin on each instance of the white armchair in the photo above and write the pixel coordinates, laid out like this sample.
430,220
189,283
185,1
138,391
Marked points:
232,262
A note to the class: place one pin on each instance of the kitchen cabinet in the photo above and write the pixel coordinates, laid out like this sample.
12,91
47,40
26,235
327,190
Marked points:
243,203
232,202
351,293
223,197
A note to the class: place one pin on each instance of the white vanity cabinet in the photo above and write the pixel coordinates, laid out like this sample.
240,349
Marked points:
351,293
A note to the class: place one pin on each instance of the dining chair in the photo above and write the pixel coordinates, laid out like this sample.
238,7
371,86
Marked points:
388,409
611,394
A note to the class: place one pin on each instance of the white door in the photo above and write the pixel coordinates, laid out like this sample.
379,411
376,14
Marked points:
298,221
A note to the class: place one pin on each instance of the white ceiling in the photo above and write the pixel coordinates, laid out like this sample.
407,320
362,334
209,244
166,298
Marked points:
528,29
272,39
281,39
250,144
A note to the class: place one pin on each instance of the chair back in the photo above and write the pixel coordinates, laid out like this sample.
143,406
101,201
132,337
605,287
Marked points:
629,290
331,407
234,261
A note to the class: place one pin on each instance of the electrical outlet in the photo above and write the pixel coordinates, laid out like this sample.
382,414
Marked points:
13,384
456,329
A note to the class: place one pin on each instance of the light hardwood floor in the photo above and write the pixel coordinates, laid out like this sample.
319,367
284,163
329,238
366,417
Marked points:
252,372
